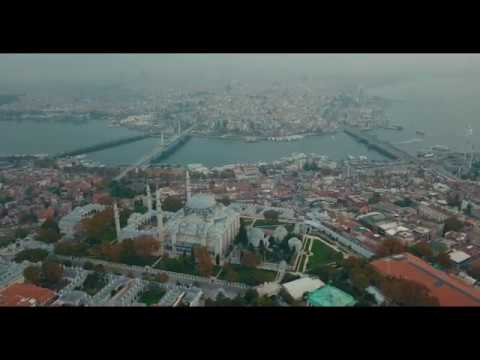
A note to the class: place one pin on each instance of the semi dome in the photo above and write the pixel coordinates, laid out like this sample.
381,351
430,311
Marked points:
201,201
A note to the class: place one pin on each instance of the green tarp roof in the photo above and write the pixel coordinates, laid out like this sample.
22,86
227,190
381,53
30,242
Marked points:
330,296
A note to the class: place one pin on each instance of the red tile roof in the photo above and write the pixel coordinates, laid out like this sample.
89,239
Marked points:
25,295
448,290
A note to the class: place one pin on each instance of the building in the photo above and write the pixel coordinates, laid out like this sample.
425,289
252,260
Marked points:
202,222
148,224
298,288
10,273
26,295
68,223
329,296
448,290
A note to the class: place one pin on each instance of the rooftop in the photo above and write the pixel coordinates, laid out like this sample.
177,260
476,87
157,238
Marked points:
201,201
448,290
330,296
25,295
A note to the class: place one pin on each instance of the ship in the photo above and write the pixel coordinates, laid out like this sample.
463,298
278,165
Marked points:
394,127
420,132
440,148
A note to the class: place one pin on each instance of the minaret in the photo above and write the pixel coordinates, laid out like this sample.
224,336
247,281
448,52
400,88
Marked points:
149,198
160,230
179,128
117,220
162,141
187,187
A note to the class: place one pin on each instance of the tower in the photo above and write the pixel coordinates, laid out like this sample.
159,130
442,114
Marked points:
160,230
187,187
179,128
149,198
162,140
117,220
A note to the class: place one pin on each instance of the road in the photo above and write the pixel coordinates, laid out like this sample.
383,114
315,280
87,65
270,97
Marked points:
138,271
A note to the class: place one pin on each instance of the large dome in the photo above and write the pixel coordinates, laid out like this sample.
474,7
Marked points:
201,202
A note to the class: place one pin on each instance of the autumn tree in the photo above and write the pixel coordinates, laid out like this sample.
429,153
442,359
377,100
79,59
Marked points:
99,228
32,274
146,246
407,293
49,232
250,259
444,260
52,272
391,247
203,260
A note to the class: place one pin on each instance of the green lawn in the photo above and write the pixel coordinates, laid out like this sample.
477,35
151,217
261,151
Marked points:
250,276
322,254
152,295
181,265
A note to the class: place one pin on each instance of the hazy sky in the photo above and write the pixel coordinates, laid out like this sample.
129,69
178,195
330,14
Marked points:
21,72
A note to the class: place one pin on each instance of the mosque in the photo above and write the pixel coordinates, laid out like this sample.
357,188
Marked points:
202,222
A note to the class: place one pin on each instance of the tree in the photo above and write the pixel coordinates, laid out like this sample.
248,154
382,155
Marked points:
99,228
88,265
407,293
217,260
48,235
32,274
203,260
391,247
242,235
452,224
271,215
172,203
52,273
250,259
32,255
21,233
375,198
422,249
251,296
225,200
468,210
444,260
146,246
139,207
162,278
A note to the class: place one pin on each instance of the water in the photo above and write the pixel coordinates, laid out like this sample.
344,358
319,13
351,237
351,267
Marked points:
441,107
214,152
51,137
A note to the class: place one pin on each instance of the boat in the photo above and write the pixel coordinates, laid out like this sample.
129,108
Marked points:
420,132
440,148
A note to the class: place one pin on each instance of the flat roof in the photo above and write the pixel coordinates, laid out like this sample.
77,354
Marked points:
330,296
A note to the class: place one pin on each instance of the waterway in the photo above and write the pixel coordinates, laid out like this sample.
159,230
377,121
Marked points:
441,107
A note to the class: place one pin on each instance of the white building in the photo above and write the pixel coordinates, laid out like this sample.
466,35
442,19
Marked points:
298,288
202,222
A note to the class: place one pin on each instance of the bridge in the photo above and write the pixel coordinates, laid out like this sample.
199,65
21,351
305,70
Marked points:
381,146
102,146
159,152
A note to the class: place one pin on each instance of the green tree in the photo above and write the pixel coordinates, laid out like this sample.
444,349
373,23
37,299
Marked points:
172,203
32,255
271,215
452,224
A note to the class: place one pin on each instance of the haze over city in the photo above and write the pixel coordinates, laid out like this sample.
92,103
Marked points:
279,180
